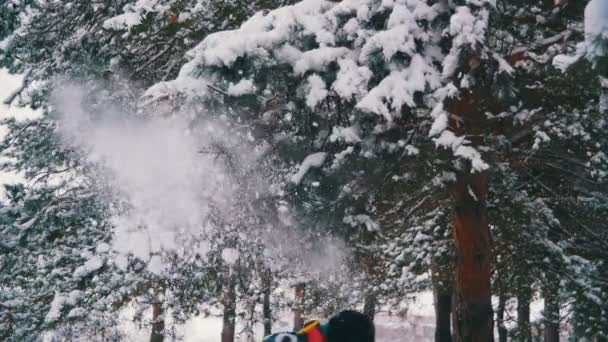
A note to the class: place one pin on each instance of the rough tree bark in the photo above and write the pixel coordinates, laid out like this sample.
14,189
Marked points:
158,322
298,308
472,315
266,310
229,303
473,306
551,310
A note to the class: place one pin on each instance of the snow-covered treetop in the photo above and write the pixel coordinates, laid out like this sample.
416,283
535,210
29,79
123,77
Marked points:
140,40
385,57
350,90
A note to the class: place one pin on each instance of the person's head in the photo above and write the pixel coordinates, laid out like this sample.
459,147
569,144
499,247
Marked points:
346,326
350,326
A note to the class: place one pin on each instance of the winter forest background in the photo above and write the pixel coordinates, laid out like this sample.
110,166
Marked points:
215,170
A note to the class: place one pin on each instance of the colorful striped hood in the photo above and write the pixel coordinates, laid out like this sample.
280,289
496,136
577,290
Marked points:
313,331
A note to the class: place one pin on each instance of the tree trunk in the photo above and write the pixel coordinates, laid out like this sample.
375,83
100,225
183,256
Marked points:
370,262
298,309
369,307
473,307
158,323
229,303
442,274
524,330
266,310
443,313
551,310
472,314
603,101
500,318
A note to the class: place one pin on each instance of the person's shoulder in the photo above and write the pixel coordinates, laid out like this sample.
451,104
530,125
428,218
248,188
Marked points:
284,337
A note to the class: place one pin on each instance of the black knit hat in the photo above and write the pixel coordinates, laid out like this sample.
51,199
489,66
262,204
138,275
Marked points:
350,326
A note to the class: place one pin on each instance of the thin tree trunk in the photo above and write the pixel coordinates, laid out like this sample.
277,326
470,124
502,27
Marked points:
369,306
537,333
603,101
250,334
443,313
298,309
158,323
524,330
229,303
370,263
443,290
500,317
266,310
473,307
551,310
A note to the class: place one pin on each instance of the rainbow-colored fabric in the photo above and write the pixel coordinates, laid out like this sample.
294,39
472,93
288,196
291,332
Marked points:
313,331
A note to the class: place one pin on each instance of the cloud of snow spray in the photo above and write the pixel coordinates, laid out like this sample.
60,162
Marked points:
166,170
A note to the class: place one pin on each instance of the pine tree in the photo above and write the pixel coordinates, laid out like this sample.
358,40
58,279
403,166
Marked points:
471,87
56,264
379,120
334,57
75,41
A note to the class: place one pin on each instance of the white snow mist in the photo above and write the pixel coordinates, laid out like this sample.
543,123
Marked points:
172,176
156,164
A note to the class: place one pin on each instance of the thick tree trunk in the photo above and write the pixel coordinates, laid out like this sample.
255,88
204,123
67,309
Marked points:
524,330
266,310
551,310
229,303
298,309
158,323
500,318
369,306
472,314
473,321
443,314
